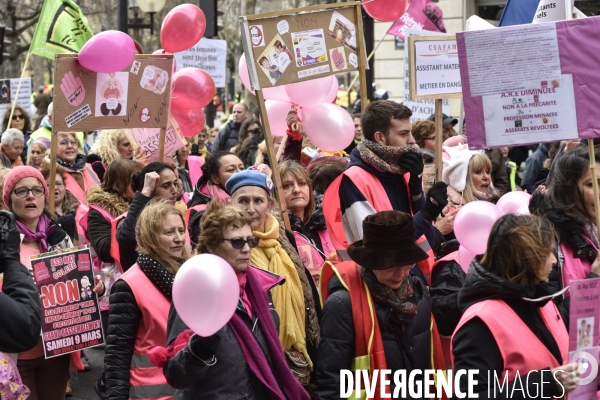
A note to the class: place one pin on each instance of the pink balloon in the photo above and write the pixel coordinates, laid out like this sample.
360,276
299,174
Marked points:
161,52
182,28
107,52
276,93
512,201
385,10
308,93
190,122
277,112
473,224
328,126
205,293
332,95
465,256
192,88
243,71
523,210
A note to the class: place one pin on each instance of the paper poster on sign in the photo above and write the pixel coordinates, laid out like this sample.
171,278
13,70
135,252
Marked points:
8,89
552,10
148,140
436,68
309,47
209,55
111,94
275,59
421,109
70,314
342,30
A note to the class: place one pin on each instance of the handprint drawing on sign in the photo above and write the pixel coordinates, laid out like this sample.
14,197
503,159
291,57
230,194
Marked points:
72,89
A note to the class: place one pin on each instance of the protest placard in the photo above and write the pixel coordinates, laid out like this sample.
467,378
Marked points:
148,139
70,314
584,337
526,84
209,55
136,97
8,88
421,109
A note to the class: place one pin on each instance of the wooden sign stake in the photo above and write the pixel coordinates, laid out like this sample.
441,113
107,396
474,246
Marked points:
438,139
161,144
52,185
594,181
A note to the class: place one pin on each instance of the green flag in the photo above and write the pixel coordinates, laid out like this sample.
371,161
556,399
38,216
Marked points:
62,28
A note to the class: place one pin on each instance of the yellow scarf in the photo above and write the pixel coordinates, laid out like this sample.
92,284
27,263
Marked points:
288,298
202,152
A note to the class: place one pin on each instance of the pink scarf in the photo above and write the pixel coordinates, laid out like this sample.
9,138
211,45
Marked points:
41,235
215,192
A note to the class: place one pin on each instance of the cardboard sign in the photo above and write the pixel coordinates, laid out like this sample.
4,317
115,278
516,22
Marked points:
209,55
421,109
70,314
136,97
8,89
434,69
584,337
148,139
530,81
292,48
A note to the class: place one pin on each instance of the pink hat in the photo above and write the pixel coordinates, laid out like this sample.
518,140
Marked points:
16,175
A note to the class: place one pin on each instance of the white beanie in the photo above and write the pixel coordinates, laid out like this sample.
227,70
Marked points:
455,166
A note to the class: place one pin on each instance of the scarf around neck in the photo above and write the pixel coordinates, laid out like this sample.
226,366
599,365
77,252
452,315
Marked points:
383,158
215,192
316,222
288,300
401,300
77,166
158,275
44,229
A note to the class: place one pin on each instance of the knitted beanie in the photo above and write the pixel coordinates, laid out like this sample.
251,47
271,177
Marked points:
455,166
15,175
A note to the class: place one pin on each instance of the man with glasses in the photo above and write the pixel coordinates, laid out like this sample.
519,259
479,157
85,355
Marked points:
11,148
358,134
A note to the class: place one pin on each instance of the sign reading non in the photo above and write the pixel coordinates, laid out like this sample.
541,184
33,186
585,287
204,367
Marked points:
136,97
70,314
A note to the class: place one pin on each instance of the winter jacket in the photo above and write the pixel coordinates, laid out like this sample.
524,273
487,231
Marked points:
126,230
99,229
474,346
20,319
407,348
230,377
499,175
227,137
533,164
447,278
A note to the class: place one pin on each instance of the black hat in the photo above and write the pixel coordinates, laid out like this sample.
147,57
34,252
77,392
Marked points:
388,241
446,120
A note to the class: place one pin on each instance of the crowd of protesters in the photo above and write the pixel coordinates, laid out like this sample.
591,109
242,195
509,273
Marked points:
365,275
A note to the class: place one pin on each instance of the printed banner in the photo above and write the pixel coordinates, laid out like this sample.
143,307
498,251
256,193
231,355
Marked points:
8,89
421,15
436,70
70,314
61,28
209,55
148,139
136,97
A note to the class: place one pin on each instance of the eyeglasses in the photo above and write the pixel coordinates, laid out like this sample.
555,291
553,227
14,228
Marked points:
38,191
256,131
20,116
66,143
239,244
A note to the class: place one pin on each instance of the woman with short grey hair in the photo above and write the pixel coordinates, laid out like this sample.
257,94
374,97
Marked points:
13,141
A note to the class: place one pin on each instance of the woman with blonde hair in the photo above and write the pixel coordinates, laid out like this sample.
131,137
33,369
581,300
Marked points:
139,306
38,152
112,144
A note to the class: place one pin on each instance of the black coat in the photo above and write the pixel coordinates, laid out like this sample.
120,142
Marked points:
474,346
126,231
20,319
230,377
336,349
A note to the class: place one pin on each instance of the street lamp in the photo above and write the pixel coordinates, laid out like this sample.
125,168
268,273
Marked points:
147,6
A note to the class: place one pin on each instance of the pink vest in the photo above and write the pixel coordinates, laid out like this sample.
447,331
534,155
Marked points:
90,179
147,380
574,268
311,257
195,164
520,348
80,213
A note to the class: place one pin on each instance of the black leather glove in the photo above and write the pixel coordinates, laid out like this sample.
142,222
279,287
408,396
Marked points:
413,163
204,348
194,150
437,199
10,238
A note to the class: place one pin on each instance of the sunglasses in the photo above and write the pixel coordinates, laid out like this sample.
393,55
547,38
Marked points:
15,117
256,131
239,244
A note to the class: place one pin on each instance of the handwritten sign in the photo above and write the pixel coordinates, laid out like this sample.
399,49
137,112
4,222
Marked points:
148,139
209,55
70,314
85,100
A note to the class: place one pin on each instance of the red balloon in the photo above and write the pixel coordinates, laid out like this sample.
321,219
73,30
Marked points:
192,88
385,10
190,122
182,28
